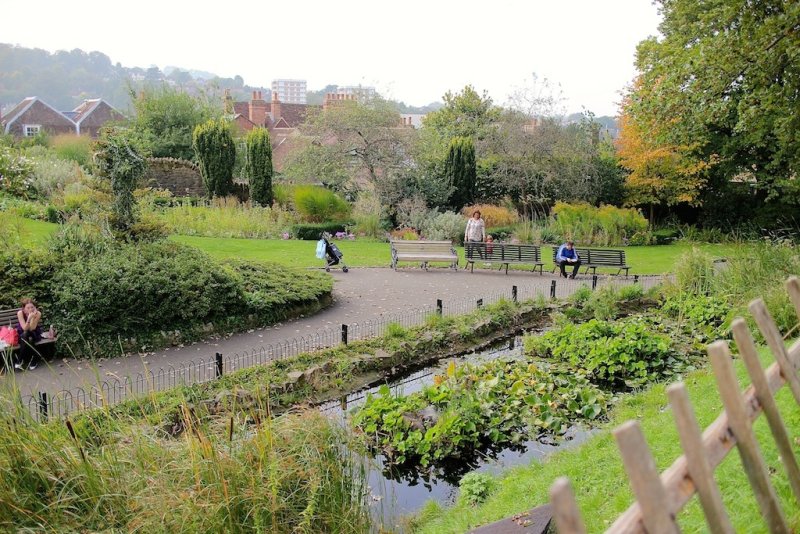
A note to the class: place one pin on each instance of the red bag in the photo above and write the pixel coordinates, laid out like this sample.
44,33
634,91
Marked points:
9,335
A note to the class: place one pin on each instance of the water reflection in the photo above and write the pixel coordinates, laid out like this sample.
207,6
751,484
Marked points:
401,491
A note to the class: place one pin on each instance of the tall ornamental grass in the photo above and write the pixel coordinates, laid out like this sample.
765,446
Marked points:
603,226
317,204
756,270
177,472
226,217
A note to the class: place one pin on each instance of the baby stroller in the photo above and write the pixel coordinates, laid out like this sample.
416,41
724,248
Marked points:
329,252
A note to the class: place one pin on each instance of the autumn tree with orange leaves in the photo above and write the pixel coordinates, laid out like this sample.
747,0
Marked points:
661,174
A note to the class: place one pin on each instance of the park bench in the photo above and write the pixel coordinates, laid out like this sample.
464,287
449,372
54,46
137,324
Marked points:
592,258
423,252
504,254
9,318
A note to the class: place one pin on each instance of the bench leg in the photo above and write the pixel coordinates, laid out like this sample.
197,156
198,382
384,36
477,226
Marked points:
506,269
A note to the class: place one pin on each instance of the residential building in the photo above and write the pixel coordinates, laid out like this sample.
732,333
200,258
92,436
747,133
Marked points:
290,91
33,116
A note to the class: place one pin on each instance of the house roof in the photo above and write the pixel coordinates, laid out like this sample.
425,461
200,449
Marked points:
24,106
294,114
85,109
241,108
18,110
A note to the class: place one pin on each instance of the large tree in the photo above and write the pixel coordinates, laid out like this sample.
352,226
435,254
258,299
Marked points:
215,150
722,85
362,141
258,166
167,118
461,172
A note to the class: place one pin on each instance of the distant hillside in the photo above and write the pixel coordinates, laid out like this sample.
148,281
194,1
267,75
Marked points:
64,79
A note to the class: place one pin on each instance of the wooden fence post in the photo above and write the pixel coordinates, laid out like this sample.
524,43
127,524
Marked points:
749,354
697,463
565,509
775,341
646,483
793,288
747,445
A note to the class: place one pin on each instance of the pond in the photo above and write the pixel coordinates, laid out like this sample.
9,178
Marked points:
401,492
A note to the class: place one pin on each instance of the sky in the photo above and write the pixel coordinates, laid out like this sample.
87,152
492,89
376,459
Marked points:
413,50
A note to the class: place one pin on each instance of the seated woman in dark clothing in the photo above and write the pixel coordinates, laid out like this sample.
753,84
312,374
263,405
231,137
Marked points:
30,333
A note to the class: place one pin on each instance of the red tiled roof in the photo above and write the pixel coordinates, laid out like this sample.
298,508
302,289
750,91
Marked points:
295,114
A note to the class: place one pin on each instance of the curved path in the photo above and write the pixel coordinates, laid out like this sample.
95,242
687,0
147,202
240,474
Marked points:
361,295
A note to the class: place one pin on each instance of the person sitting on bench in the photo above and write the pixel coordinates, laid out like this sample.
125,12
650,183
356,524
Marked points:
30,333
567,255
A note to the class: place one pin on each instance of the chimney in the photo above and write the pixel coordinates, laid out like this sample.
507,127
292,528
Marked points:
258,110
276,108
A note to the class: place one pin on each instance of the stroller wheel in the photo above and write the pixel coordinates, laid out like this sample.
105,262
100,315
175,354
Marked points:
327,269
344,269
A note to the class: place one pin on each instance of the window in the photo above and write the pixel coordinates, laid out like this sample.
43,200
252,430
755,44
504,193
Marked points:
31,130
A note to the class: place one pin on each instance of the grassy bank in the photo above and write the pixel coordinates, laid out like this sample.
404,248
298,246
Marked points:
598,478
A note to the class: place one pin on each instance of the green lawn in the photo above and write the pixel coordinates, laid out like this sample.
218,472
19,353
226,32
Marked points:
599,481
644,260
367,253
27,230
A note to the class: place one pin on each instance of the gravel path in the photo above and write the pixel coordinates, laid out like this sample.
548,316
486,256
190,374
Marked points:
361,295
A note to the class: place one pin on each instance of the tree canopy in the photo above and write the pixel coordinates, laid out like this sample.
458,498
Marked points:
720,91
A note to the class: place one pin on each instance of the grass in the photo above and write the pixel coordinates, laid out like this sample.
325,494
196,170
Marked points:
363,253
24,231
369,253
597,476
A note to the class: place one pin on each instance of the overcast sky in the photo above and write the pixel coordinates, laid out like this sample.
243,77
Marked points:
411,50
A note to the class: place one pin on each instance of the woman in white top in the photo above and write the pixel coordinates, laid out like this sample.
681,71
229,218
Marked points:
474,233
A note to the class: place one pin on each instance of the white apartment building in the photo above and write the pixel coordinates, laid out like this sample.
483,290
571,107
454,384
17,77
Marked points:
290,91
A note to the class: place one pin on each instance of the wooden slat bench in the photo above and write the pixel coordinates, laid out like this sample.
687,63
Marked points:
504,254
423,252
9,318
592,258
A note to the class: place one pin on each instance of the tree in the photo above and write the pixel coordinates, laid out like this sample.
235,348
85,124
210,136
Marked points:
660,173
461,172
216,155
121,158
166,117
465,114
258,166
362,141
722,87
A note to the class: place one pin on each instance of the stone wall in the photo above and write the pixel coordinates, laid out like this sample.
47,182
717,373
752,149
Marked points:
178,176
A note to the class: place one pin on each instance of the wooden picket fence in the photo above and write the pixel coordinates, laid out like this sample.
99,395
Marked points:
659,498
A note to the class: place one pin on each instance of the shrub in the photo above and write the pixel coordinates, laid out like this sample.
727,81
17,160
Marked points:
317,204
492,215
216,155
50,174
313,232
138,291
665,236
121,158
405,234
475,487
501,233
75,148
16,173
283,195
445,226
620,355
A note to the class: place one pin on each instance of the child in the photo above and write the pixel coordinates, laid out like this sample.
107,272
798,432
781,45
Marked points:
489,247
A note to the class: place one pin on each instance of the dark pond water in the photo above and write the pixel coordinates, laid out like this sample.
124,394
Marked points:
397,493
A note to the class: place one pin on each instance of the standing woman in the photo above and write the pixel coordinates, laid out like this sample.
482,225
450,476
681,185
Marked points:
30,333
474,233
